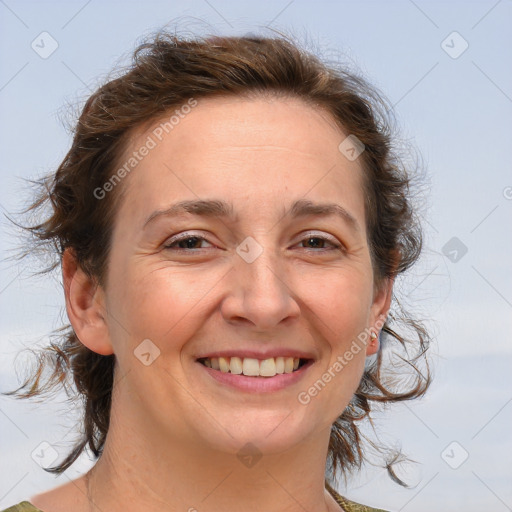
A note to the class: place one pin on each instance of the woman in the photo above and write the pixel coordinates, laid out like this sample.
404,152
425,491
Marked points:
230,220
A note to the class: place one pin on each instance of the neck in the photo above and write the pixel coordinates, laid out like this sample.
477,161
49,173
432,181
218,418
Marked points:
144,468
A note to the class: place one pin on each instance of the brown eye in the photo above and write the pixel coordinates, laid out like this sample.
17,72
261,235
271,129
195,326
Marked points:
318,242
185,242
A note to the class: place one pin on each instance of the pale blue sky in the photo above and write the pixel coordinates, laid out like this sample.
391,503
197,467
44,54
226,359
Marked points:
456,111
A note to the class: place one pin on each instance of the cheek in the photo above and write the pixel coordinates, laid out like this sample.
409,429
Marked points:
340,298
341,309
161,304
168,304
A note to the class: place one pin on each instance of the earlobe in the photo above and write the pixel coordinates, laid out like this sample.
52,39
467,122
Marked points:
85,306
379,313
372,347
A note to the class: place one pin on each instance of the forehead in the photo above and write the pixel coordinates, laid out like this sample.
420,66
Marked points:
242,147
248,121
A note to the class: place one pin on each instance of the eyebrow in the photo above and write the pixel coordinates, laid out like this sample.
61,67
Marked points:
219,208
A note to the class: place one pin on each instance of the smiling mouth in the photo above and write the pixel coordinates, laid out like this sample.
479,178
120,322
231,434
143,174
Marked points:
250,367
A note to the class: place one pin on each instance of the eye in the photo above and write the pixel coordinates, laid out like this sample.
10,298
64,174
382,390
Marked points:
190,242
314,240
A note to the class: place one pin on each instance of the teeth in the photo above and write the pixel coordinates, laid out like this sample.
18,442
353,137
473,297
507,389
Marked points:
224,364
268,367
235,365
253,367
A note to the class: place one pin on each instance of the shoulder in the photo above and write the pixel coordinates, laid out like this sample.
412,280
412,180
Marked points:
24,506
350,506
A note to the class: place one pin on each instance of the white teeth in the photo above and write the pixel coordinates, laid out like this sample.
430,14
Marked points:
253,367
224,364
268,367
235,365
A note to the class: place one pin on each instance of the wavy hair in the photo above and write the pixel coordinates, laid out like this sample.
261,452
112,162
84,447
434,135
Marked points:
166,70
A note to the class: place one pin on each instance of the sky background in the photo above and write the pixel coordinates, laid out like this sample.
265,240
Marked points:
452,95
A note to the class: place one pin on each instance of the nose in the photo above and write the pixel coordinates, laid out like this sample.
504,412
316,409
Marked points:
261,293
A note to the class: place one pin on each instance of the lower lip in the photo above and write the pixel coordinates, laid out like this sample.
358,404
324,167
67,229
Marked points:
257,384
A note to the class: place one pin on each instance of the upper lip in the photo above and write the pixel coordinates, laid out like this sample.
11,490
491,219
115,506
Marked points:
259,354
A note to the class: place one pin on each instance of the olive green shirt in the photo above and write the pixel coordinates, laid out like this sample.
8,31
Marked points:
346,505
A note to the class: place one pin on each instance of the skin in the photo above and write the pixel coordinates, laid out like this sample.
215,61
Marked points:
175,432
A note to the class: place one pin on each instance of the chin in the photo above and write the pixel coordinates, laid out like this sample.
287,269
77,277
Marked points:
265,433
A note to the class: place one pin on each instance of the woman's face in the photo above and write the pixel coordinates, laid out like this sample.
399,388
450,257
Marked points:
260,279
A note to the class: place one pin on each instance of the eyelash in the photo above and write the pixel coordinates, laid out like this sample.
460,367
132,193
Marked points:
309,236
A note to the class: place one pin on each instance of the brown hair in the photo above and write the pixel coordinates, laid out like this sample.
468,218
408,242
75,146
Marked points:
166,71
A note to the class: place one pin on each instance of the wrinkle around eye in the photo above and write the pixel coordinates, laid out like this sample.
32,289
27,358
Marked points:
162,239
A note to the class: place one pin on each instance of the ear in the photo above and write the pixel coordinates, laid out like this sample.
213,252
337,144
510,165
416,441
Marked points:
379,312
85,306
